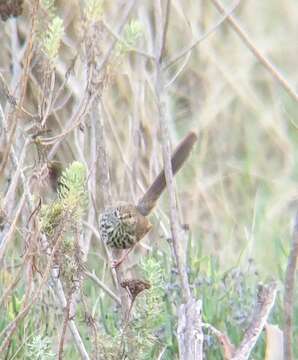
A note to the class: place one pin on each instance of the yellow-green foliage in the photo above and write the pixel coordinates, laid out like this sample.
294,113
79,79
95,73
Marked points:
71,264
50,217
150,316
93,10
133,31
52,38
39,348
14,306
72,199
72,191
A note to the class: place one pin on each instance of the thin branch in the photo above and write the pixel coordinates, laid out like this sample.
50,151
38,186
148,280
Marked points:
257,53
179,71
9,230
165,24
103,286
227,346
13,116
166,149
87,101
29,52
72,325
126,12
196,42
190,334
265,302
64,327
11,328
121,41
18,162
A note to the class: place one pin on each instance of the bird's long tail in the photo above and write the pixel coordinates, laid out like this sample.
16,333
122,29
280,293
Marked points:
180,155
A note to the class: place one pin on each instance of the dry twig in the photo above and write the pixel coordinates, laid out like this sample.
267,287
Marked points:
265,302
190,335
257,53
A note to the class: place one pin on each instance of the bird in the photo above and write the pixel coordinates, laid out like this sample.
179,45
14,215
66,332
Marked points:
123,225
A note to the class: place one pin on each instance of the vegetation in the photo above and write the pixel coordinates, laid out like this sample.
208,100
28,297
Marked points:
90,93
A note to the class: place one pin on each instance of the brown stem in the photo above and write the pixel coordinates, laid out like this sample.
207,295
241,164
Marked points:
65,322
227,347
265,301
168,176
102,285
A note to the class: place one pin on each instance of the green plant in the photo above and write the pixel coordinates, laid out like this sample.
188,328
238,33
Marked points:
71,202
65,216
39,348
93,10
51,40
133,31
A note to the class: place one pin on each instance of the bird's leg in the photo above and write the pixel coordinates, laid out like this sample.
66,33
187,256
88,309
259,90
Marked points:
118,262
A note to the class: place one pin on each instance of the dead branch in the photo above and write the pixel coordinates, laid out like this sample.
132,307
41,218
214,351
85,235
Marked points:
264,303
102,285
223,339
190,334
265,300
189,331
71,323
64,327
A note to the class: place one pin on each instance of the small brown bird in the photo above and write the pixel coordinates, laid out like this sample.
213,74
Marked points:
123,225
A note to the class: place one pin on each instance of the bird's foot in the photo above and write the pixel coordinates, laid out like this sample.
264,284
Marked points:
117,263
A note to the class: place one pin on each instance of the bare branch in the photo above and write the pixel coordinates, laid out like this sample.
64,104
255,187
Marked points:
189,331
265,302
196,42
227,346
103,286
190,335
64,327
176,230
257,53
72,326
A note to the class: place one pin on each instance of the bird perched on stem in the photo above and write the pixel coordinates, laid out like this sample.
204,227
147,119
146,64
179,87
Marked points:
123,225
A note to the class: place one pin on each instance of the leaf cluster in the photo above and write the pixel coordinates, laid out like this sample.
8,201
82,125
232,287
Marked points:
71,202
